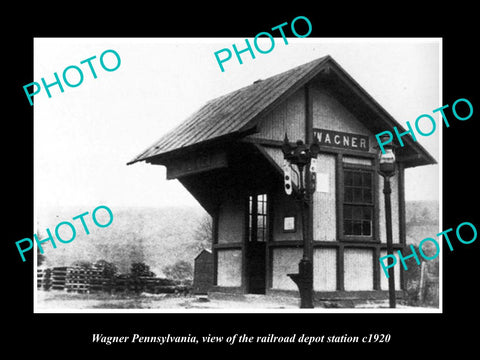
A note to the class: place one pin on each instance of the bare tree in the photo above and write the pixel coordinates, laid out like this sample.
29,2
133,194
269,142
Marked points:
203,234
138,269
181,270
40,257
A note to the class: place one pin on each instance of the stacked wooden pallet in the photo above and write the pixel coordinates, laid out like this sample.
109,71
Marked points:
90,279
43,278
80,279
59,277
71,279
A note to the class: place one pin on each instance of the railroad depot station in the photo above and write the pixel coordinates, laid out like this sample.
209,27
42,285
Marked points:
228,155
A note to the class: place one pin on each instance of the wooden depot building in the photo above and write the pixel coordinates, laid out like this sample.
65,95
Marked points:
228,155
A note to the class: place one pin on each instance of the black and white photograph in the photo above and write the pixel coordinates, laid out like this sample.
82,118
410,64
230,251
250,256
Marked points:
255,188
209,182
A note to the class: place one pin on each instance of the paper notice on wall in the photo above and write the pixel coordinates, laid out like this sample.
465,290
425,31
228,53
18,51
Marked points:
323,182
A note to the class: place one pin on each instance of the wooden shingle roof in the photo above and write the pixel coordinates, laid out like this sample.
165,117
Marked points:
235,114
230,113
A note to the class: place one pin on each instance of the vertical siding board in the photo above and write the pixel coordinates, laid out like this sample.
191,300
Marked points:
295,116
285,261
276,155
358,269
231,227
286,206
324,203
288,116
229,268
282,119
330,114
215,225
383,277
325,269
215,267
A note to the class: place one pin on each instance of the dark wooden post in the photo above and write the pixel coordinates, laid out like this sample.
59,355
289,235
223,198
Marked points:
388,216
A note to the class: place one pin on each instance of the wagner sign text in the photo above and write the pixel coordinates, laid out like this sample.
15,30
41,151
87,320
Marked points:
341,139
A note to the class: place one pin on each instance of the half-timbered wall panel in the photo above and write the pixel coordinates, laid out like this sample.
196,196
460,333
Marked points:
231,220
330,114
324,207
285,261
286,206
325,269
229,268
358,269
383,277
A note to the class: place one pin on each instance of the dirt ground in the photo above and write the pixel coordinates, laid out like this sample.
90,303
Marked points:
59,301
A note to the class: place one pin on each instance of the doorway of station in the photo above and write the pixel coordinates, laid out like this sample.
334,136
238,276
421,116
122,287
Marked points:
257,242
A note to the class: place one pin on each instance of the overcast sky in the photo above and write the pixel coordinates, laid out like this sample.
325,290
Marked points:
85,136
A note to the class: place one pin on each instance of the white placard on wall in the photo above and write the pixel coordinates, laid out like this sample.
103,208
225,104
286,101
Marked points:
323,182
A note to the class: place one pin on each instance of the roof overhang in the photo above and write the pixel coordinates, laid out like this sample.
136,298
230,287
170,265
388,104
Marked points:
225,119
368,111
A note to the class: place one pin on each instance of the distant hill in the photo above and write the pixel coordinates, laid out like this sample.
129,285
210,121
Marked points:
162,236
155,236
422,211
422,220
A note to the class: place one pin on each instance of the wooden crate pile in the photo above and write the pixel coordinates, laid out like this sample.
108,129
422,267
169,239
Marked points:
74,279
80,279
43,278
90,279
58,277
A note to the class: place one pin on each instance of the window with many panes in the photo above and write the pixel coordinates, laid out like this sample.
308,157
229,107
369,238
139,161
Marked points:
358,203
257,217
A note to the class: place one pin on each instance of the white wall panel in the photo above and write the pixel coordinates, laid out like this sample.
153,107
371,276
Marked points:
229,268
285,261
325,269
358,267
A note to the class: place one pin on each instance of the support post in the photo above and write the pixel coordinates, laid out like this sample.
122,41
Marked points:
388,217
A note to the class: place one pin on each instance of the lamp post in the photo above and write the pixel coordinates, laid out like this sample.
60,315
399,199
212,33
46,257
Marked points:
301,155
387,168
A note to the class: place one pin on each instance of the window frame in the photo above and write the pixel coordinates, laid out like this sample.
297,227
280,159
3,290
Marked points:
253,215
343,167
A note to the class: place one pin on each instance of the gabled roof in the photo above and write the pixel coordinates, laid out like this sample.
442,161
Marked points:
229,113
235,114
204,250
